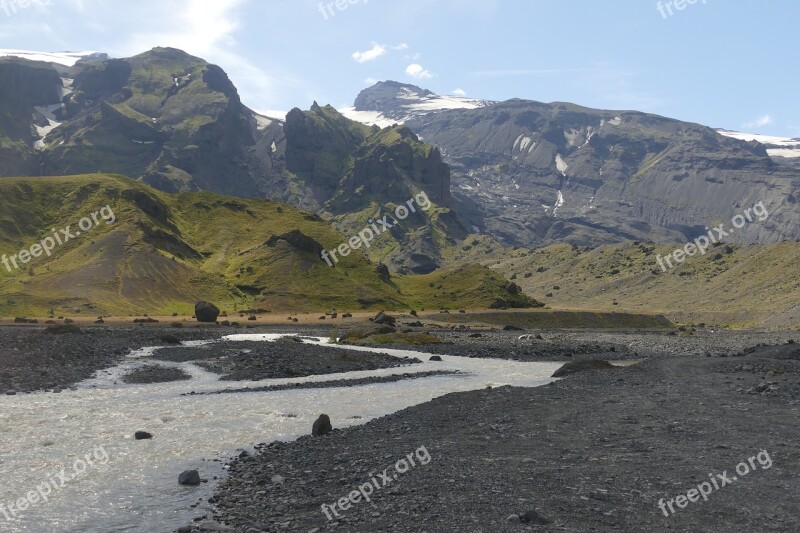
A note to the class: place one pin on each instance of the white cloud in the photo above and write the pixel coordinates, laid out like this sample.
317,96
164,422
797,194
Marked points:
372,54
459,92
760,122
416,71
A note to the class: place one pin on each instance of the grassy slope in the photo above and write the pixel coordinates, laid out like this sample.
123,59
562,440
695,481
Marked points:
165,251
746,286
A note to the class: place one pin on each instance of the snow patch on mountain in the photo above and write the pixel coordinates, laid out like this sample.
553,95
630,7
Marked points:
389,103
68,59
776,146
370,118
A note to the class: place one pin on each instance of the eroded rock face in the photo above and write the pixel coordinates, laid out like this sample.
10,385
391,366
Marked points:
535,174
206,311
299,240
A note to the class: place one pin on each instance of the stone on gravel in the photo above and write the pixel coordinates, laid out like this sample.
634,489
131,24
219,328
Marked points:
142,435
189,477
384,319
322,426
573,367
532,517
435,358
278,480
170,339
206,312
63,329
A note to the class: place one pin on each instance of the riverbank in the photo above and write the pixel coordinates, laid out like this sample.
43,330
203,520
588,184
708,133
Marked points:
595,452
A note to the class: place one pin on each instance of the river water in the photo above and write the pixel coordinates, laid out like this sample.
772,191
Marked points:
112,483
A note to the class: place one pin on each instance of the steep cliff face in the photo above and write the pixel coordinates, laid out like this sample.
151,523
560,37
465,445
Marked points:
26,88
534,173
165,117
354,174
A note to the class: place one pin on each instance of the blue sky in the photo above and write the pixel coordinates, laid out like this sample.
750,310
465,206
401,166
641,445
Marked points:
730,63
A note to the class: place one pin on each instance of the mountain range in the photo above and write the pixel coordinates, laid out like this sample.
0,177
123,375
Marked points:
519,172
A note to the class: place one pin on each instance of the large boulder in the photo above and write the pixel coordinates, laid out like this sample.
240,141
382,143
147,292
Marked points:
322,426
206,311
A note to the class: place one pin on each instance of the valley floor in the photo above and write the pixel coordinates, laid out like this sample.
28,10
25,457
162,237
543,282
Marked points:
596,451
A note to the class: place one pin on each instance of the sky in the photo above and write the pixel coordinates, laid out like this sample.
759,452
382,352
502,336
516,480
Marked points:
723,63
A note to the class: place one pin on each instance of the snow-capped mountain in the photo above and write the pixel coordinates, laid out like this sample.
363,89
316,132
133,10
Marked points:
391,102
67,59
776,146
532,173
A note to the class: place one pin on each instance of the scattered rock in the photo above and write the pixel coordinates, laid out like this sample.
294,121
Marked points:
573,367
532,517
435,358
189,477
170,339
142,435
384,319
63,329
322,426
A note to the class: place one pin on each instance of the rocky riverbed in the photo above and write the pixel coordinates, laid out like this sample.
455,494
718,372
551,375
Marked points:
596,451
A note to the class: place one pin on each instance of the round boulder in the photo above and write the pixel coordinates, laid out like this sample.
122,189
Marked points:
206,312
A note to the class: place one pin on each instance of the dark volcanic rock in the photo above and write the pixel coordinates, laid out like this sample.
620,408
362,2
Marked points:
322,426
383,319
206,311
155,374
299,240
189,477
63,329
573,367
532,517
142,435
